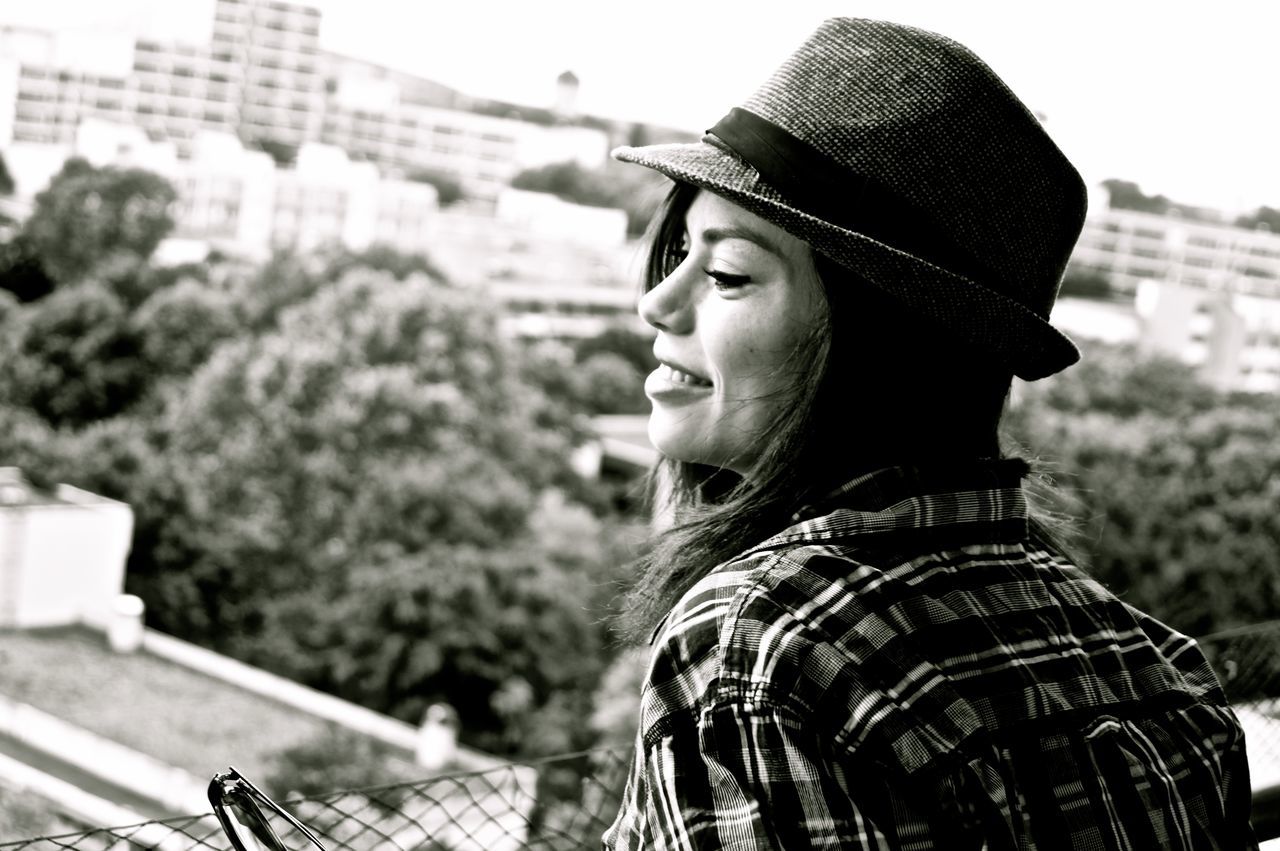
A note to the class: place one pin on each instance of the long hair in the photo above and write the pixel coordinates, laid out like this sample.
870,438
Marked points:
883,387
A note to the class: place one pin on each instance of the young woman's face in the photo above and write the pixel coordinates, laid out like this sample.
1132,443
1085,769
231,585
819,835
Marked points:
731,319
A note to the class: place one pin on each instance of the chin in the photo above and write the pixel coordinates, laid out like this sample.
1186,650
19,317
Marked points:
681,441
675,439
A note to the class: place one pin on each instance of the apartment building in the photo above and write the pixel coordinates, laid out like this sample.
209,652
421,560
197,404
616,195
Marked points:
1129,246
263,77
271,50
1205,292
374,118
50,80
259,76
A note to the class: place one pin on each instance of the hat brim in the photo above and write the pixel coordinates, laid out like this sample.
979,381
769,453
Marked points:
1024,341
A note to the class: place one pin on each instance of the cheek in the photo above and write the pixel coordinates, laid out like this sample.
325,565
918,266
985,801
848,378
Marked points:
762,359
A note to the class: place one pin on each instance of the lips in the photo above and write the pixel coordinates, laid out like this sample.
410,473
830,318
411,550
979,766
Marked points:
671,385
679,376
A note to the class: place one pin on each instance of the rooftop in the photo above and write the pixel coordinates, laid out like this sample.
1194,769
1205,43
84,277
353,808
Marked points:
157,707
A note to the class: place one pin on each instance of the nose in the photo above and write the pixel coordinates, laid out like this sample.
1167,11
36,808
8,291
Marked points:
667,306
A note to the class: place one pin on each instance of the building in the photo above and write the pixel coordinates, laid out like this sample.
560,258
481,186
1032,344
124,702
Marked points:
383,118
1129,247
263,78
240,201
114,732
270,51
1232,337
62,554
259,77
1205,292
50,80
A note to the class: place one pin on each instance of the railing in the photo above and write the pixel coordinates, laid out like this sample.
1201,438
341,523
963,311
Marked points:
559,804
565,803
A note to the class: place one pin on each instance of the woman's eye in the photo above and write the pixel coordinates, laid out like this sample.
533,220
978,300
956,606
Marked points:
727,280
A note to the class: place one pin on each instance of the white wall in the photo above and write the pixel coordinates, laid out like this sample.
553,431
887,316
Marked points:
543,215
63,562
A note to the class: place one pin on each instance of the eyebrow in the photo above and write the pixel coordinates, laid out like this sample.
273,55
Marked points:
714,235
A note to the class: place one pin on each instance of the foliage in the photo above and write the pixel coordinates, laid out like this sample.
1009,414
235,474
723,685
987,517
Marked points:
448,188
603,374
510,633
338,758
336,472
88,216
1266,216
616,704
383,407
21,272
289,279
1173,486
24,815
179,327
382,258
282,153
606,383
9,308
1083,283
6,179
633,346
1127,195
618,185
75,359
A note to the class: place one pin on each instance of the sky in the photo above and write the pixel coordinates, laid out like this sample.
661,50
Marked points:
1180,97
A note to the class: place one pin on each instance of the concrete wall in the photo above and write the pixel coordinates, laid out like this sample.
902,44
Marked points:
63,562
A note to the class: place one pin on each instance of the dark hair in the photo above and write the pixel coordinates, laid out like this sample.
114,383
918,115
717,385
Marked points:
886,388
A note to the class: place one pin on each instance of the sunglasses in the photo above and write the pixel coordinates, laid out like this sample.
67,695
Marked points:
239,805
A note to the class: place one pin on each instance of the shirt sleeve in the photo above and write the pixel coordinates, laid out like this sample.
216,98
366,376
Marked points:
742,776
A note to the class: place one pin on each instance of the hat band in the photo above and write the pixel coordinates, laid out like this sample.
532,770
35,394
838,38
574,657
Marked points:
818,185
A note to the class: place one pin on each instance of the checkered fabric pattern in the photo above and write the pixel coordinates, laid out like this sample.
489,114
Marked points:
912,666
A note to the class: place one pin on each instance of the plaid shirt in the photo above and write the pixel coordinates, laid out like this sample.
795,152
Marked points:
912,667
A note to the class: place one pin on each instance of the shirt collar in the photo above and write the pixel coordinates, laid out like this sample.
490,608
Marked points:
974,500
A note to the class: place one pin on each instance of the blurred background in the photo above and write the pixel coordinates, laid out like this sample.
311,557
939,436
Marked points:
322,436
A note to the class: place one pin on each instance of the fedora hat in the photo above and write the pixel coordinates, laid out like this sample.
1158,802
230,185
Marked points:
900,155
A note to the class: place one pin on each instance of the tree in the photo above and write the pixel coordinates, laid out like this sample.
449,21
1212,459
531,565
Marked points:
284,154
1172,485
636,347
1127,195
606,383
337,759
6,179
21,272
448,188
380,413
381,257
1083,283
88,217
179,326
74,357
1268,217
634,190
362,499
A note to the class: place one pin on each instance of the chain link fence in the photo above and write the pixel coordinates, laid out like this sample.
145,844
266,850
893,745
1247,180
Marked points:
565,803
560,804
1247,661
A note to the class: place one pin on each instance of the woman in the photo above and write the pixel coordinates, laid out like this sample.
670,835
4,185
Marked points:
862,640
